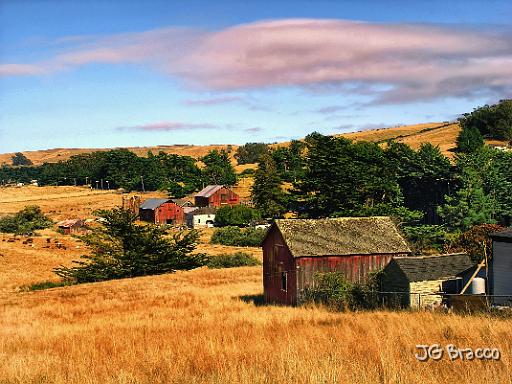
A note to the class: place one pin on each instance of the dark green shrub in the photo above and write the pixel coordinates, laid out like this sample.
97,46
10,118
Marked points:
238,215
334,291
46,285
234,236
239,259
26,221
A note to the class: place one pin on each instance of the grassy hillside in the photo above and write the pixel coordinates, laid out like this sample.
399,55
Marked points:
202,326
441,134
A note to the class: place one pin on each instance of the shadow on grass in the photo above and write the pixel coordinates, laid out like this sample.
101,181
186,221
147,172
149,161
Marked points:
257,300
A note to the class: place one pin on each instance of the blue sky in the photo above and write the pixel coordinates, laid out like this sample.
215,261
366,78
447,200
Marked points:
128,73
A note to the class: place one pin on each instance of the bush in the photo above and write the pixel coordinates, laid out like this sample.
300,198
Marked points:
477,242
26,221
238,215
46,285
239,259
234,236
333,290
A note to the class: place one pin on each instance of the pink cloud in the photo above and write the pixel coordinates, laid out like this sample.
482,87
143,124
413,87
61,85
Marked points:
163,126
20,70
397,62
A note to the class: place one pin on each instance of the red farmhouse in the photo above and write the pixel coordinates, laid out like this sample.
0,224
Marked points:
216,196
161,211
295,250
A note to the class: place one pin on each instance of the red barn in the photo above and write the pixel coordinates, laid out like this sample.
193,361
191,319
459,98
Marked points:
294,250
216,196
161,211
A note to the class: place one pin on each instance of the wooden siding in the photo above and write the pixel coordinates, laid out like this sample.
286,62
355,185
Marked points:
278,263
501,271
355,268
167,213
222,197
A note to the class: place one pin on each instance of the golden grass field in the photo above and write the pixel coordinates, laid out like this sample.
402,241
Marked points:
204,326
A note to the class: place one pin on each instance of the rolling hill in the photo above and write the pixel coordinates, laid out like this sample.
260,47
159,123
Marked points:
442,134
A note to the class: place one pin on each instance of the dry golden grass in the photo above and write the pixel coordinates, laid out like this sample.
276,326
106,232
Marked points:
62,202
202,327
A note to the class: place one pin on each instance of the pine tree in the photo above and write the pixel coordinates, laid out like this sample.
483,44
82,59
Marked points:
218,168
121,248
469,140
470,205
267,192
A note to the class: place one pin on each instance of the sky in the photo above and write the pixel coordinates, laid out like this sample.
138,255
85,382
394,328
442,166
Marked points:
138,73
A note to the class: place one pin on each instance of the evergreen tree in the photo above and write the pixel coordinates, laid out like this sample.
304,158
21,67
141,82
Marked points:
470,205
267,191
250,153
20,159
218,168
469,140
121,248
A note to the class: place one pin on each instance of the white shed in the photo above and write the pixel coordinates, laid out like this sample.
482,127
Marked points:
500,271
201,217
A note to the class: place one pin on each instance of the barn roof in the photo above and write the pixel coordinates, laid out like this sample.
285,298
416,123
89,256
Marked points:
503,235
69,223
203,211
341,236
153,203
182,202
209,190
437,267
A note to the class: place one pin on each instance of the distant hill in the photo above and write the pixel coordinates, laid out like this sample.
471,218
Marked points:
442,134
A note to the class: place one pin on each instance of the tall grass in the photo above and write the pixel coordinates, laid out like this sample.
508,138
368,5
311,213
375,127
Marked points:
202,326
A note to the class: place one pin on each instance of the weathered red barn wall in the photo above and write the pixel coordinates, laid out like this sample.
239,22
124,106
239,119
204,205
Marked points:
277,259
355,268
221,197
165,212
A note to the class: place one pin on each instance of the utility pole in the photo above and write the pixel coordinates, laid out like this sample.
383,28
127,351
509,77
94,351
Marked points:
142,183
101,184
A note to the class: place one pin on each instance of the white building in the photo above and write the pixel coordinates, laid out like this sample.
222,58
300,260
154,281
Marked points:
500,276
201,217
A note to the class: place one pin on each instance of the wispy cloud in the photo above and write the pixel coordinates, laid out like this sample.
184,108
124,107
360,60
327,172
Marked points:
253,130
393,63
214,100
164,126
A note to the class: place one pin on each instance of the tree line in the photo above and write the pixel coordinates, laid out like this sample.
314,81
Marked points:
121,168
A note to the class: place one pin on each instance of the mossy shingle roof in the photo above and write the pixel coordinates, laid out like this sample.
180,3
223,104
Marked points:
341,236
438,267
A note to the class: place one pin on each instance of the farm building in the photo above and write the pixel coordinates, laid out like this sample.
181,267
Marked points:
500,267
183,202
216,196
201,217
161,211
422,278
70,226
294,250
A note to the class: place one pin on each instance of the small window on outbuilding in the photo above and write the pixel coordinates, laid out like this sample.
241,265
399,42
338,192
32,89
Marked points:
284,281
